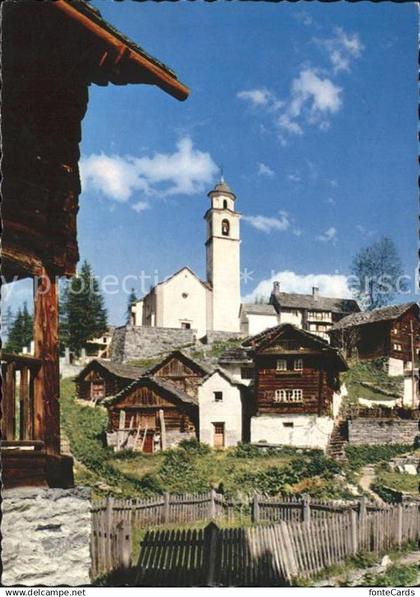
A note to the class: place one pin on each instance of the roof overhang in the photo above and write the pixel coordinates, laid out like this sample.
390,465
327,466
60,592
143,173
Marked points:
133,65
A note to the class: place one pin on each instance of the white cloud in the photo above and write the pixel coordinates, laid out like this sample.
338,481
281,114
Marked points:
342,49
365,231
140,206
186,171
264,170
303,17
294,178
329,201
257,97
329,236
334,286
268,224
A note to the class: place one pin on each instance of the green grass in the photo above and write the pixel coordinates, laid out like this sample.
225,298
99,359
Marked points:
359,456
397,481
144,363
372,372
395,576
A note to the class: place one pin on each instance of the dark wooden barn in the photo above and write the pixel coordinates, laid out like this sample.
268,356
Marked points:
181,370
151,414
101,379
390,332
295,372
51,53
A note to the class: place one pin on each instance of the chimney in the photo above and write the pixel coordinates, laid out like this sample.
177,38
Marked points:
276,287
315,292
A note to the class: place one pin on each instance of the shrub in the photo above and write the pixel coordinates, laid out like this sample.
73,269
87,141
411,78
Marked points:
416,444
194,447
358,456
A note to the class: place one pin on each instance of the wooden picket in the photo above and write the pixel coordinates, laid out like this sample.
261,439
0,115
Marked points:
271,555
111,544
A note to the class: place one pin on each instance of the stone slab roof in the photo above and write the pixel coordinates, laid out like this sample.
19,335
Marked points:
259,309
375,316
290,300
117,369
155,382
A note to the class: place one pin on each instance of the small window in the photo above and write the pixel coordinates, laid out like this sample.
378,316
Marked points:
247,372
218,396
288,424
225,204
225,228
281,365
298,365
185,325
398,347
288,396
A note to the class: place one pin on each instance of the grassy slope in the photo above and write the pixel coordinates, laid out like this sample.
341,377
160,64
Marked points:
182,471
398,481
372,372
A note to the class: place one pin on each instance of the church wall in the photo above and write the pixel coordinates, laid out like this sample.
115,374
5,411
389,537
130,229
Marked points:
228,411
183,298
226,285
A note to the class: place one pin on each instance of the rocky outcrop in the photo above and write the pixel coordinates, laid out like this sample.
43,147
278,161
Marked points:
46,536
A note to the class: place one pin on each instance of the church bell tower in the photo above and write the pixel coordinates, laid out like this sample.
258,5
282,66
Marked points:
223,258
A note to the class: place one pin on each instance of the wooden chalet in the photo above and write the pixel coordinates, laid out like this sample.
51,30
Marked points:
180,370
390,332
295,372
101,379
151,414
51,52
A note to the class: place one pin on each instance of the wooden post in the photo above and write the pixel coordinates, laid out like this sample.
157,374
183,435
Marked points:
24,403
306,508
162,429
47,386
8,405
213,504
399,524
108,532
211,536
354,533
255,509
166,504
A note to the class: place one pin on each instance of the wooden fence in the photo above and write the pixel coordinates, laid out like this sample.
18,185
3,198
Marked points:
168,509
111,543
272,555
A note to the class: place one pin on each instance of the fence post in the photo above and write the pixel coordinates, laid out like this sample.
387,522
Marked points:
399,524
354,533
166,503
126,544
306,508
211,536
255,508
109,516
213,504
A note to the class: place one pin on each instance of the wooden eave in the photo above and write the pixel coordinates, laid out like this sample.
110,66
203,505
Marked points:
125,62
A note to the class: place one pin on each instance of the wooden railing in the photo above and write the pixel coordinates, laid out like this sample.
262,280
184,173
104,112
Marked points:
19,374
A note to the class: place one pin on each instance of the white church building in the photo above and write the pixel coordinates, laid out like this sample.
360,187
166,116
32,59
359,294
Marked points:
184,300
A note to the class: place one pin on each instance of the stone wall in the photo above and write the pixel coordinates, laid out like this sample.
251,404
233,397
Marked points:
46,536
371,431
138,342
212,337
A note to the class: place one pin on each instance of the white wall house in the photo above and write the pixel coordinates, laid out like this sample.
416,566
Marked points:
220,410
255,318
185,301
301,431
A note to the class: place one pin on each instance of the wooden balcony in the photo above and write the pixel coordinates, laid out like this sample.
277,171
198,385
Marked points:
24,454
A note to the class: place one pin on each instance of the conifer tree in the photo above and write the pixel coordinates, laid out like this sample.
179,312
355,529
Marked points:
83,315
132,300
21,330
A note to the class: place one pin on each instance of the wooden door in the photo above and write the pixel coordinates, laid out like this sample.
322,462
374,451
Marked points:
219,435
148,442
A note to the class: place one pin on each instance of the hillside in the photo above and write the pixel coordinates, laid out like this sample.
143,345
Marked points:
369,380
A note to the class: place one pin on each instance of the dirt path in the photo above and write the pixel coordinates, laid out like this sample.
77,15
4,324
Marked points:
366,479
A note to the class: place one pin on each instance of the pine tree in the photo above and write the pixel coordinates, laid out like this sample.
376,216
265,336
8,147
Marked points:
83,315
21,331
132,300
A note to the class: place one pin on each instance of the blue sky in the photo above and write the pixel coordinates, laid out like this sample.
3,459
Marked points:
311,109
